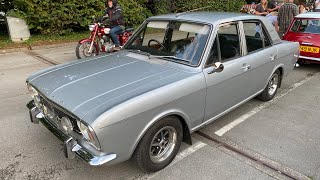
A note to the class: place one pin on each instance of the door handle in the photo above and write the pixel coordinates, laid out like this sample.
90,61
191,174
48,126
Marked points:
246,67
273,57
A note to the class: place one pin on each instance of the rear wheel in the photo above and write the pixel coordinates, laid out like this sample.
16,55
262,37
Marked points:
270,91
82,50
159,145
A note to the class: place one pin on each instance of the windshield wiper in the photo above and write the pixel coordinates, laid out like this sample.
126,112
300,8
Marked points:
139,52
169,57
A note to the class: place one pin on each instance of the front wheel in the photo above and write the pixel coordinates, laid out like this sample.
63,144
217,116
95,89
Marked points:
270,91
159,145
82,50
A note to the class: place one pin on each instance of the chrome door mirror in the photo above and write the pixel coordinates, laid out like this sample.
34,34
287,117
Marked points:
217,67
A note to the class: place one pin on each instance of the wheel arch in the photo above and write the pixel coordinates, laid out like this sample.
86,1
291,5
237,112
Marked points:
280,68
177,114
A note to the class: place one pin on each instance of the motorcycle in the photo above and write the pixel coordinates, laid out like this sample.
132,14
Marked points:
100,40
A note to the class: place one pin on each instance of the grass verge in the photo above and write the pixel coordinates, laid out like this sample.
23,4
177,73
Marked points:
39,39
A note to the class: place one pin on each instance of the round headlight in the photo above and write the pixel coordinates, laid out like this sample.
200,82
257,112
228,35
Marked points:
66,124
91,27
83,128
88,134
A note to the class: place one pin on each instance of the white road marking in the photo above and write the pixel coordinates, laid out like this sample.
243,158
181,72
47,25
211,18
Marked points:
180,156
244,117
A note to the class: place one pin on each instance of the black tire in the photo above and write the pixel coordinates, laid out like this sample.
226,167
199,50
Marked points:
144,155
272,87
80,50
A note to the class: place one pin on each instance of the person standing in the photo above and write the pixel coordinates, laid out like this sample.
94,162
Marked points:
116,20
262,8
286,14
302,6
273,6
317,6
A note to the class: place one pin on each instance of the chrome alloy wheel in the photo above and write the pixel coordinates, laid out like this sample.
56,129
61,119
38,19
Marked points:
273,84
162,144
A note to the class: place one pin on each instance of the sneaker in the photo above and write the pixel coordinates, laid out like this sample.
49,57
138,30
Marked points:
116,48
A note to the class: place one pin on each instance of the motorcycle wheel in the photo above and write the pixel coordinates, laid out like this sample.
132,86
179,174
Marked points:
82,50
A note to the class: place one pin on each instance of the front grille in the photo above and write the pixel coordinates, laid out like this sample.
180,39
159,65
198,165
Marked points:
59,113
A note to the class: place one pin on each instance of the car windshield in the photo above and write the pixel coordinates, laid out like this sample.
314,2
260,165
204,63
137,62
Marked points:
306,26
181,42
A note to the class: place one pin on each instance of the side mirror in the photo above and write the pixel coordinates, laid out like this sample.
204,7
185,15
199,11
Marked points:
217,67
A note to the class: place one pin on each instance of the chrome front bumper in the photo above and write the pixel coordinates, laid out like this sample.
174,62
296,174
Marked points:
71,147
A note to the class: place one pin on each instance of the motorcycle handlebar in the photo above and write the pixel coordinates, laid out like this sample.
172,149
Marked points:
100,19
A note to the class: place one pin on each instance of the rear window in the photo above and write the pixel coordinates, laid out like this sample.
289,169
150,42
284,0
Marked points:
306,26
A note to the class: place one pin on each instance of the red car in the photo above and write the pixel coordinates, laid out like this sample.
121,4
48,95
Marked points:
305,29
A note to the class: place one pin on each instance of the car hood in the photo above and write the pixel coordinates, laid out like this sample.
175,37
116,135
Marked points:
81,86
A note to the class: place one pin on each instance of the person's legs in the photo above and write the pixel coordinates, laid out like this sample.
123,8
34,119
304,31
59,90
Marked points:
113,33
276,26
274,21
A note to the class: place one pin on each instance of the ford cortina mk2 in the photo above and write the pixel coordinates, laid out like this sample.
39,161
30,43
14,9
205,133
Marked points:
177,73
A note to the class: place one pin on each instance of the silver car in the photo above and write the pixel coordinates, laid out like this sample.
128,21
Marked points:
177,73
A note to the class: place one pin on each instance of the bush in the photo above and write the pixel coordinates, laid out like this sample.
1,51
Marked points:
59,16
5,5
134,12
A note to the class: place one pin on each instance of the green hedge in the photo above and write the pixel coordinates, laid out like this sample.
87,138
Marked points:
57,16
134,11
63,16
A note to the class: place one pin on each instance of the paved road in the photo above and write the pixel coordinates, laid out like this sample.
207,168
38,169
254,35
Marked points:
248,143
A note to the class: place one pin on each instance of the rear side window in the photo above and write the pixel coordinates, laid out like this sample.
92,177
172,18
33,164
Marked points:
256,36
226,44
306,26
229,41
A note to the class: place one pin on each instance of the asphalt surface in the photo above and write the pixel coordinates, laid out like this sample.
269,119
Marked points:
278,136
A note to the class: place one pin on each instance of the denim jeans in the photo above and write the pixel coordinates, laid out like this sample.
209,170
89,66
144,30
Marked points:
113,33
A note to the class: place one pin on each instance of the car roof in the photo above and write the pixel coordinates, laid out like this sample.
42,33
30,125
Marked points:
309,15
206,17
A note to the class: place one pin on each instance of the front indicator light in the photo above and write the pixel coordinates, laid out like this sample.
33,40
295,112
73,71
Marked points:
37,101
32,91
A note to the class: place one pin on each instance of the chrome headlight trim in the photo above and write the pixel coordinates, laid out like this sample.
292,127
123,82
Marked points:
88,134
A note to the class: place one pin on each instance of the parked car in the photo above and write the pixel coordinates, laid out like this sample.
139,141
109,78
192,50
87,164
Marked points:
177,73
305,29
